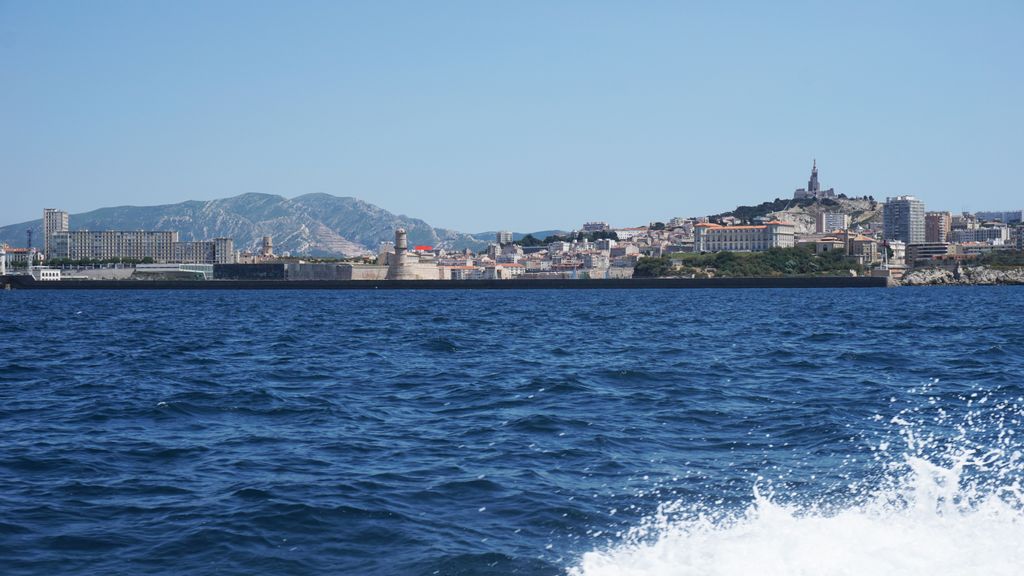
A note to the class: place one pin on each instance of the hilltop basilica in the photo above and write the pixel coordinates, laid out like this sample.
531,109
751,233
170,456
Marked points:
813,189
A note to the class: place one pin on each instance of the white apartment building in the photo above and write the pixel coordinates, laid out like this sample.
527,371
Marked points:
559,247
111,244
53,221
830,221
160,246
717,238
991,234
503,271
216,251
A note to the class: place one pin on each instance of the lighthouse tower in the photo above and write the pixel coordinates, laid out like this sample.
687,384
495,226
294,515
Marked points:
399,266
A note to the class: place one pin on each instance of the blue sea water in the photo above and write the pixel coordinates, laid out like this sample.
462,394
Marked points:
512,432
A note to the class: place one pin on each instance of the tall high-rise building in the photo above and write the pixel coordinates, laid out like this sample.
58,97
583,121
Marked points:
53,221
504,237
937,226
903,218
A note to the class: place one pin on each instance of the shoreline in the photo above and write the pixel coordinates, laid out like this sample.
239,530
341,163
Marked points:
27,283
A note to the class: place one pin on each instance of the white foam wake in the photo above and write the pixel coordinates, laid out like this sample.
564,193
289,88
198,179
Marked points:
961,513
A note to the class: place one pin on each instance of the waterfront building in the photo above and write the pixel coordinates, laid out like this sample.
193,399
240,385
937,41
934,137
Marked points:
216,251
44,274
903,219
466,272
990,234
113,244
621,269
267,247
829,244
965,221
1006,217
831,221
716,238
596,260
864,249
159,246
899,252
937,226
813,189
972,249
926,251
3,259
53,221
20,257
533,265
503,271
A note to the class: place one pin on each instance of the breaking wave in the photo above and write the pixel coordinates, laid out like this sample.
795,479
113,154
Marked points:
943,505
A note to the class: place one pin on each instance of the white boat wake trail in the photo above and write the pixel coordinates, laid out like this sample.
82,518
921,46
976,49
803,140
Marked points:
944,508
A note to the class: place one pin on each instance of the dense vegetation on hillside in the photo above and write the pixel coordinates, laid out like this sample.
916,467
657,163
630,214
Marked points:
530,240
748,213
774,262
1002,259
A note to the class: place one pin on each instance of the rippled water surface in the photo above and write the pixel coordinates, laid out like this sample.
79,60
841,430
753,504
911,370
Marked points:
506,432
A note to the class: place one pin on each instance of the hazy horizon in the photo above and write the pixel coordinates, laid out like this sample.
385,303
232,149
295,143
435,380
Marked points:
528,117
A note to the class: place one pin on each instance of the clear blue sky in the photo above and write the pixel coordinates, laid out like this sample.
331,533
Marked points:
520,115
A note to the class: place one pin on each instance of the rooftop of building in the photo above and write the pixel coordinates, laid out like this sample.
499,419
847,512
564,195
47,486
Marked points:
754,227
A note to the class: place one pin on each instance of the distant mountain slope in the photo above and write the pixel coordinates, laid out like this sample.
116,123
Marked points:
313,224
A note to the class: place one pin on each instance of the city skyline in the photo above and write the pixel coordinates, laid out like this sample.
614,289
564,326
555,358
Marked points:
799,193
564,112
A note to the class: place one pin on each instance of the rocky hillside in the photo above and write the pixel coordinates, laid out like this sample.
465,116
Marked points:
866,213
804,212
313,224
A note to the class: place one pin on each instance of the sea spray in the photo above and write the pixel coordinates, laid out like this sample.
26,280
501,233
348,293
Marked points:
946,505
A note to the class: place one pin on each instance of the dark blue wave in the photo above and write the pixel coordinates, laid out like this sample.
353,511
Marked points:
467,432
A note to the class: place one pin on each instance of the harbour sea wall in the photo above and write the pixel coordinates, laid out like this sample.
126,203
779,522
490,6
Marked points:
27,282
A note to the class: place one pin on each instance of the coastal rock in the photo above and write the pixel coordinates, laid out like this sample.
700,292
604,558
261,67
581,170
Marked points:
929,276
973,275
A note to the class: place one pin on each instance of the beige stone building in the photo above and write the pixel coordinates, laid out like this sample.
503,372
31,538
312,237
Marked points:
709,237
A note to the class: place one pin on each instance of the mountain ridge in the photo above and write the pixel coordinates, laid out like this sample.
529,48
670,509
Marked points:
313,224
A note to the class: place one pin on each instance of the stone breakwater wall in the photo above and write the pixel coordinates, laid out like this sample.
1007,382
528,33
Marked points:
26,282
974,275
